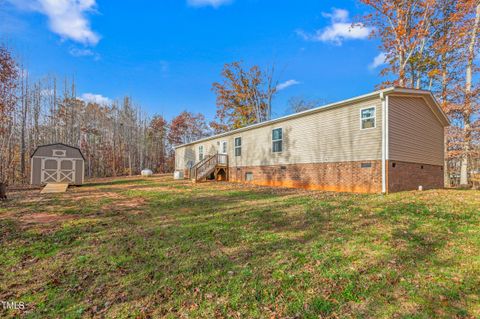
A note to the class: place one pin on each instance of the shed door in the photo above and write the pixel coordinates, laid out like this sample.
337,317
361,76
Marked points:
56,170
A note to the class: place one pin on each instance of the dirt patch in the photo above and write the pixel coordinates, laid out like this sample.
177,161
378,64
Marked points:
43,218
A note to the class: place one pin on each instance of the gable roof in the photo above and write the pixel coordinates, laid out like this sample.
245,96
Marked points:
429,98
52,144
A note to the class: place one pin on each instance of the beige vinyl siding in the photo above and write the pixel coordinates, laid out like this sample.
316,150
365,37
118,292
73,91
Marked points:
415,133
329,135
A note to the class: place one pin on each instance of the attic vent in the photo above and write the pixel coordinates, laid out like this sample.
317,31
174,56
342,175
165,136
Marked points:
394,164
421,167
60,153
366,165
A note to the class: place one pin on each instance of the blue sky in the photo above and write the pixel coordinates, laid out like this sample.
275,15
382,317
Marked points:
166,54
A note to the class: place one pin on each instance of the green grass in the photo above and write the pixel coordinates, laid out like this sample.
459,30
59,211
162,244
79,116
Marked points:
136,248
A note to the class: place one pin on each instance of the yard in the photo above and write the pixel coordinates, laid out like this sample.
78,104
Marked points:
148,248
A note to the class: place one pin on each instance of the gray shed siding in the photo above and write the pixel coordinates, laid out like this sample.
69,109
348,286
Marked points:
47,151
327,135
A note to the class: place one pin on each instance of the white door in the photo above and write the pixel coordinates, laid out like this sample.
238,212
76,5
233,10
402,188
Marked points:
223,150
223,147
56,170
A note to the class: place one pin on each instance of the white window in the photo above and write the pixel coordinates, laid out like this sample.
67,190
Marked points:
60,153
277,140
200,153
367,118
238,146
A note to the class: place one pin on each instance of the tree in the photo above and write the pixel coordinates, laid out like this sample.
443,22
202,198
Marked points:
469,93
404,27
433,45
299,104
187,127
157,144
8,97
244,97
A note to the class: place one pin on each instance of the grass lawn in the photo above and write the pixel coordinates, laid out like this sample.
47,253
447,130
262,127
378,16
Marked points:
149,248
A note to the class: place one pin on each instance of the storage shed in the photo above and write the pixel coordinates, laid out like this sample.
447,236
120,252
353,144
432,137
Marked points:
57,163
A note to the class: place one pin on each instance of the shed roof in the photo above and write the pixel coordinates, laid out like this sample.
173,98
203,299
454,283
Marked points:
52,144
432,102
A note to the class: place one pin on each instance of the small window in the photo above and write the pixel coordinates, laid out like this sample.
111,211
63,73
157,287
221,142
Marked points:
238,146
200,153
421,167
366,165
367,117
60,153
394,164
277,140
248,176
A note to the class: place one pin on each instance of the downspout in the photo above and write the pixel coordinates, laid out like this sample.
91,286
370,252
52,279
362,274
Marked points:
387,139
384,144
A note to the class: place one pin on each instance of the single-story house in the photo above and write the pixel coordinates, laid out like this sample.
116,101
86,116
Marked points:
57,163
385,141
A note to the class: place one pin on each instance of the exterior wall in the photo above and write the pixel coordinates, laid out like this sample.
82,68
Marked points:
324,149
36,171
415,133
79,172
330,135
340,176
409,176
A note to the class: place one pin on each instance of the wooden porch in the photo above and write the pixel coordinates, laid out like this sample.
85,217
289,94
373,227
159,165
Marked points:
213,167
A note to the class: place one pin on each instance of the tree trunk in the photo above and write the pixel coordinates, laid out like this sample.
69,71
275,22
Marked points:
468,102
23,147
3,191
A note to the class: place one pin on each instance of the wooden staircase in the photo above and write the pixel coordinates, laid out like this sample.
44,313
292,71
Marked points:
216,164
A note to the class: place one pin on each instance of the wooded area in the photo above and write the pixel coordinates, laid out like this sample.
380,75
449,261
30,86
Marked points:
427,44
433,45
117,138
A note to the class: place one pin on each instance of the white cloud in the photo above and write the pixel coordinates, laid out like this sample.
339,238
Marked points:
205,3
78,52
81,52
67,18
339,30
95,98
379,60
286,84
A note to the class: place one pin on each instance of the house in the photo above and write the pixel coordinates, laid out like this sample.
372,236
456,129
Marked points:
57,163
386,141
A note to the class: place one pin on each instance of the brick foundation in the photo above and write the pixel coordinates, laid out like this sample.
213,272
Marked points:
408,176
340,176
